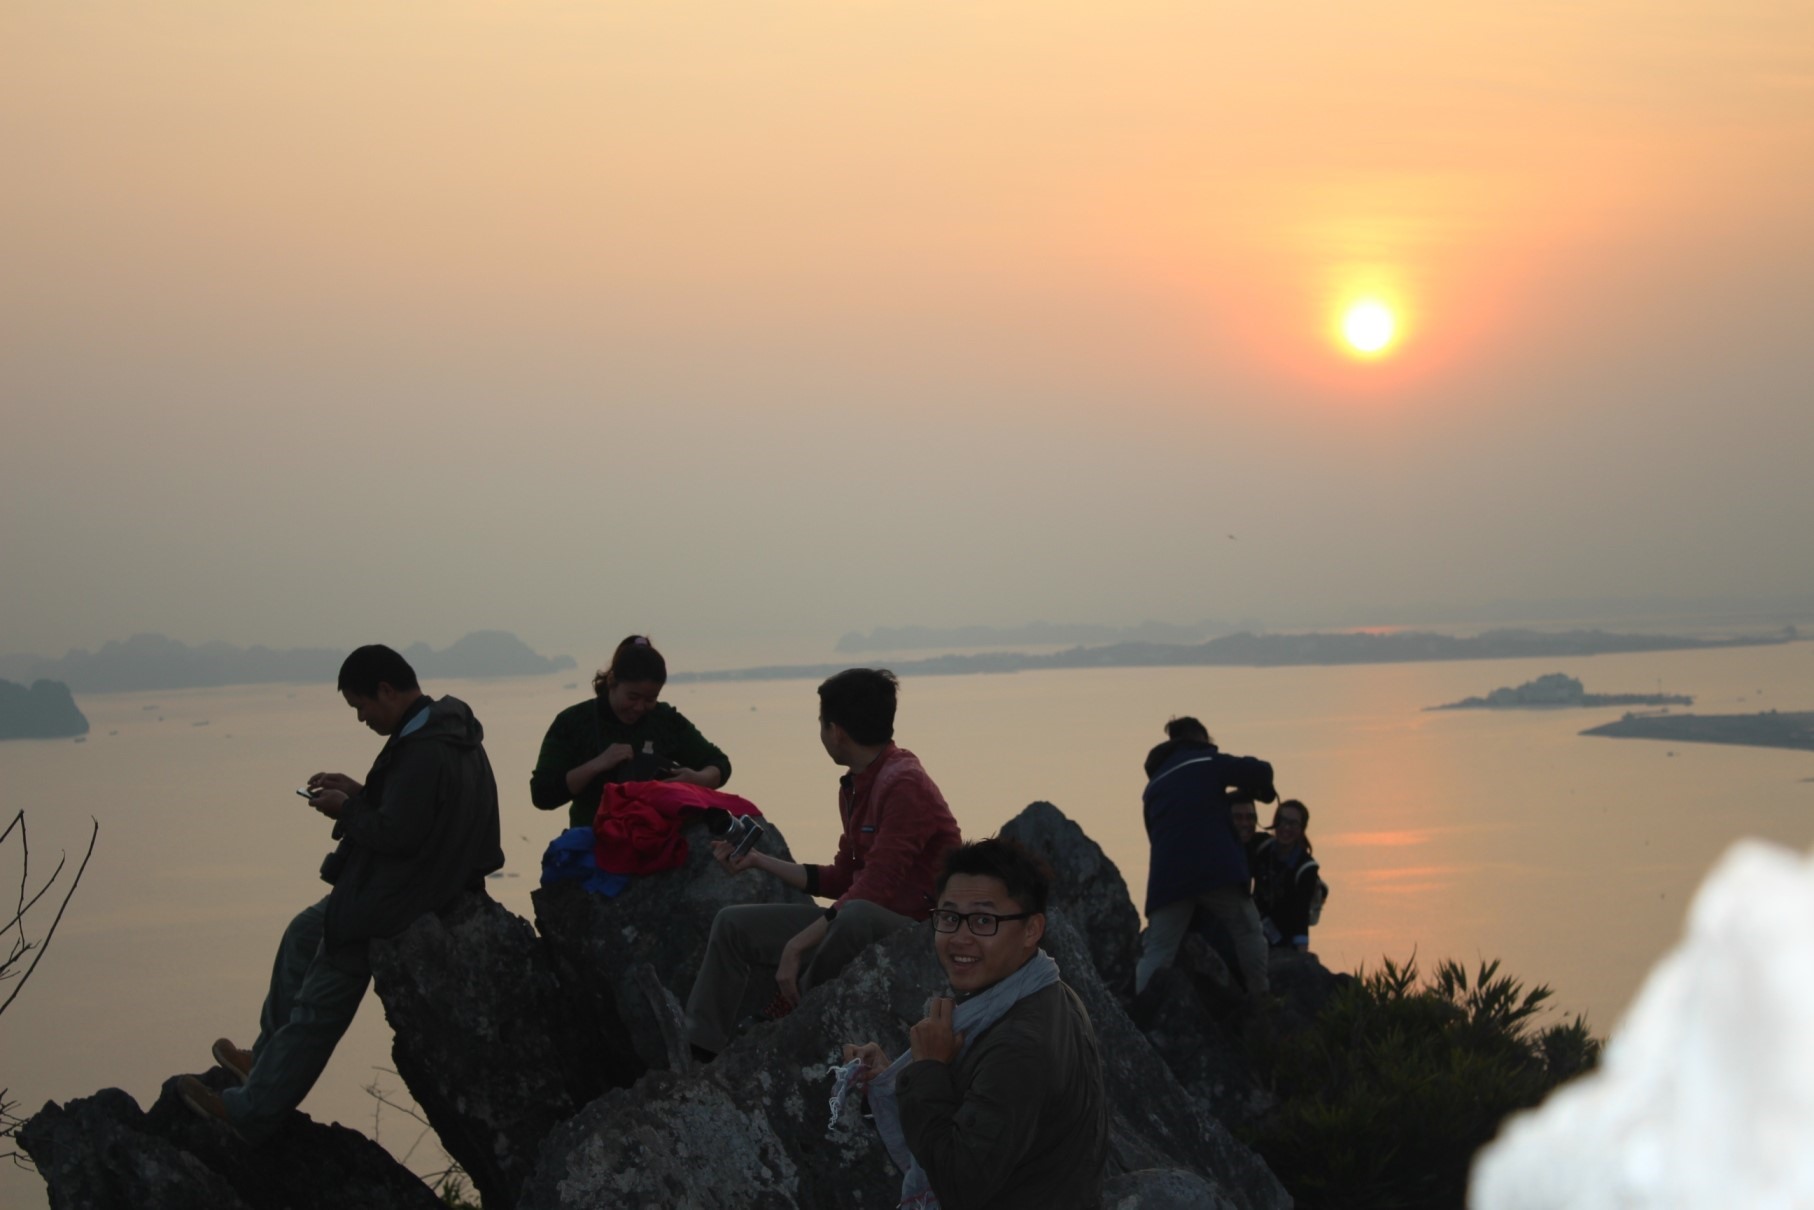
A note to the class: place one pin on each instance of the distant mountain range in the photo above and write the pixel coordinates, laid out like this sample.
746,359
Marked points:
151,661
1274,650
1033,634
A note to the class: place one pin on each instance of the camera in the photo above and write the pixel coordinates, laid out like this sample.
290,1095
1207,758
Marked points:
740,831
646,766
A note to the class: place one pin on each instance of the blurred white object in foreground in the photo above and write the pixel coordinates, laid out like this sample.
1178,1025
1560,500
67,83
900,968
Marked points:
1705,1093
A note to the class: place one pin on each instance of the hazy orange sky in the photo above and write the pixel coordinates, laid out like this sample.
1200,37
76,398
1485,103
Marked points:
748,324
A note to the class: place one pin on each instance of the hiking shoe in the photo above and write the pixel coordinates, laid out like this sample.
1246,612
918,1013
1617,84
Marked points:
204,1101
237,1062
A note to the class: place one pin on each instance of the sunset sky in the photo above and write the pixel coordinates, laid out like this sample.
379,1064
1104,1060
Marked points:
747,324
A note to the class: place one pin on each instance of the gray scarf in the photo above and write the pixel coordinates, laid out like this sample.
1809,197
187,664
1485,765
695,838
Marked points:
971,1019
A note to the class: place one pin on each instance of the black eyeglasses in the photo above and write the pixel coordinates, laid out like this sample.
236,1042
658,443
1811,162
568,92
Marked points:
982,924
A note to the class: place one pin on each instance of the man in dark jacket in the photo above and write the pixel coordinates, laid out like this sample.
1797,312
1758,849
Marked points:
998,1103
423,828
1197,862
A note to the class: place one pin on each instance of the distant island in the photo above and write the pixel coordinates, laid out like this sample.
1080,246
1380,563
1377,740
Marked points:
1770,729
151,661
1031,634
1560,689
44,711
1278,650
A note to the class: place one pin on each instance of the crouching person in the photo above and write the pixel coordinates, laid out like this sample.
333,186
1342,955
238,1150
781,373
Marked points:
420,830
999,1101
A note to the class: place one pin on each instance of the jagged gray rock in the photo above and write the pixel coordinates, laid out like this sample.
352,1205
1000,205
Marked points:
1087,887
773,1083
502,1037
662,920
102,1153
487,1040
1301,984
1202,1046
1155,1122
1162,1189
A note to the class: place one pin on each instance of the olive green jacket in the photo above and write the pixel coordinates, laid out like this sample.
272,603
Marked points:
581,732
1020,1120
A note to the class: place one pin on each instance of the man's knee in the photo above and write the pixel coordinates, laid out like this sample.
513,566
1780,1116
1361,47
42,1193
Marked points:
734,929
858,925
305,927
862,922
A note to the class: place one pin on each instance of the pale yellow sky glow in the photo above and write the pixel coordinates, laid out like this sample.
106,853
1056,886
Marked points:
674,316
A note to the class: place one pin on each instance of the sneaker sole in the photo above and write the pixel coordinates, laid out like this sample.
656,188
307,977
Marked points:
224,1056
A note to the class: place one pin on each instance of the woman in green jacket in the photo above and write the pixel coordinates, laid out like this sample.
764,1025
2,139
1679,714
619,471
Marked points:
623,734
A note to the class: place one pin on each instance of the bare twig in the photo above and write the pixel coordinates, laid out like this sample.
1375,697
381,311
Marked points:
381,1100
22,946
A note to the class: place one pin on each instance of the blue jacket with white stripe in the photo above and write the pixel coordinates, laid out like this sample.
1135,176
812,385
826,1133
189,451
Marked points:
1194,847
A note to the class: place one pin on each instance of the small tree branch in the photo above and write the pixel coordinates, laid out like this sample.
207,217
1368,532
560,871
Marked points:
43,946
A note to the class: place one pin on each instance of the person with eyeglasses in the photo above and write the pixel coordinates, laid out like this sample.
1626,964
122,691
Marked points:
1198,864
999,1100
897,828
1287,880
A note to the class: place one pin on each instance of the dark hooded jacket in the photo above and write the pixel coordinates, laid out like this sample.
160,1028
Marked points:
1194,847
424,828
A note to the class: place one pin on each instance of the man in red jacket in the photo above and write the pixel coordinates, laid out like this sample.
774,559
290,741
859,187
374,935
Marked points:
897,830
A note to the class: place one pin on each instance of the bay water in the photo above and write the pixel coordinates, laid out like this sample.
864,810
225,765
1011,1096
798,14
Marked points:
1472,835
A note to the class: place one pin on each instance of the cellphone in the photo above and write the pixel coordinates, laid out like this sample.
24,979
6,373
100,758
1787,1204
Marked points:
306,792
752,832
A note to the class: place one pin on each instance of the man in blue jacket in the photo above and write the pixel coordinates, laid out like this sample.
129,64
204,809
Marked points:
420,830
1197,862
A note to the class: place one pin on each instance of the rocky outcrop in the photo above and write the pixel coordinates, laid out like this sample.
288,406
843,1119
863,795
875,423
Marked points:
500,1035
103,1153
1087,887
750,1129
553,1069
487,1039
1162,1189
1197,1025
661,922
44,711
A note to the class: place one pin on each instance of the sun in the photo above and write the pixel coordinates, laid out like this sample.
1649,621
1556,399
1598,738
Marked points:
1369,326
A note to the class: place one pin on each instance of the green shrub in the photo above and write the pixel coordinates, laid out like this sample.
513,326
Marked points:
1384,1099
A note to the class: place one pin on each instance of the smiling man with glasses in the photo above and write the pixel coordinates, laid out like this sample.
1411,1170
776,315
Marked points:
999,1100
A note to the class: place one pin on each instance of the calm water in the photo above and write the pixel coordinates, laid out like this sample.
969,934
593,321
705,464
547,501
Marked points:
1468,835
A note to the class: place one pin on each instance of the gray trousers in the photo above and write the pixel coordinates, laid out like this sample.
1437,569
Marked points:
311,1002
747,939
1233,908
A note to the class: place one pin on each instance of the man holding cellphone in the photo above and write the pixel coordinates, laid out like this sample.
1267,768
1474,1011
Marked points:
897,828
420,830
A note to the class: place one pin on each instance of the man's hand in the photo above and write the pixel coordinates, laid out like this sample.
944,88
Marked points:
721,849
329,802
933,1038
787,970
614,756
875,1060
793,954
340,783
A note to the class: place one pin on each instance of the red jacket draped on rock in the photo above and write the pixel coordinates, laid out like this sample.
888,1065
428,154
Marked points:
638,823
